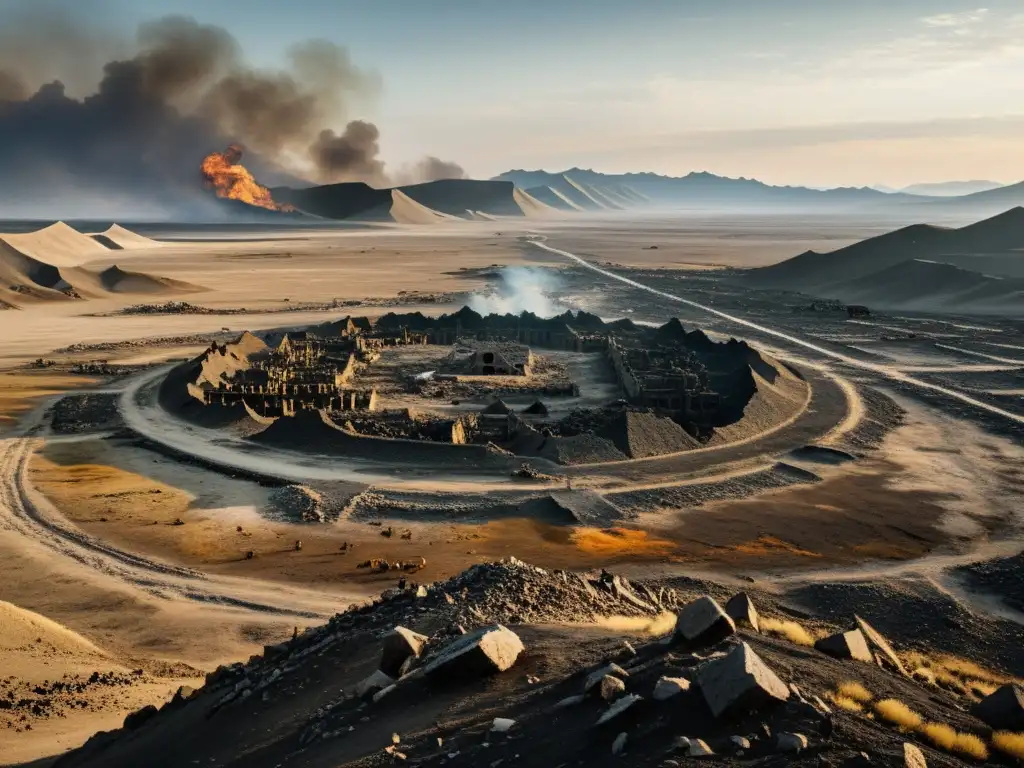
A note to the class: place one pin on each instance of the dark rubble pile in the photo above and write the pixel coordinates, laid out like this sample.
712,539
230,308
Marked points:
491,668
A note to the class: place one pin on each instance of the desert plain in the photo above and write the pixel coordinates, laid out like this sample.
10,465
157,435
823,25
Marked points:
882,456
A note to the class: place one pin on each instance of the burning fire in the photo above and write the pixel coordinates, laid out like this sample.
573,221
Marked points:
229,179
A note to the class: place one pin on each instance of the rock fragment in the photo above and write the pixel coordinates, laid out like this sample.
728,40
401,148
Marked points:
486,651
703,622
1002,710
375,682
610,688
876,639
619,707
699,748
667,687
742,611
740,679
595,677
913,757
846,645
790,742
400,644
619,744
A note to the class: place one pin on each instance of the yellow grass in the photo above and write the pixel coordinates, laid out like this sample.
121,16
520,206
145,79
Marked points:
845,702
1009,743
940,735
969,745
851,689
610,542
899,714
790,630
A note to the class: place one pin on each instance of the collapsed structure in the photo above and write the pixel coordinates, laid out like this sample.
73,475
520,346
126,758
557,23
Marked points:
676,386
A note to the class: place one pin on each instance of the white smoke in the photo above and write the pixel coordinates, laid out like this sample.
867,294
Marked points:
520,289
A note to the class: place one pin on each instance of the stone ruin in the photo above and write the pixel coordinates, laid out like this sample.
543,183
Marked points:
666,374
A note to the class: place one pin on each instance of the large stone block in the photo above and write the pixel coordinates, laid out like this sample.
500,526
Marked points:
484,652
739,680
400,645
703,622
742,611
876,639
1003,710
846,645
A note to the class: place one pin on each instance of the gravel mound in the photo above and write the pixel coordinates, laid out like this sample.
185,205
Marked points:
297,502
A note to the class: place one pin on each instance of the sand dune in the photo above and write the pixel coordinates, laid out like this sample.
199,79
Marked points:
25,277
930,285
1002,234
57,244
583,195
118,238
531,206
405,210
117,280
27,634
552,198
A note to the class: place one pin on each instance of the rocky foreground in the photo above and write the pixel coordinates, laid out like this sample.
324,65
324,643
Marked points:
511,665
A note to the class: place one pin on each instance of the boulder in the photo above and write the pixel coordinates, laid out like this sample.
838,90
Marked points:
139,717
667,687
699,748
790,742
400,645
1002,710
595,677
739,679
846,645
913,757
484,652
703,622
742,611
502,724
375,682
876,639
618,708
183,694
610,688
742,743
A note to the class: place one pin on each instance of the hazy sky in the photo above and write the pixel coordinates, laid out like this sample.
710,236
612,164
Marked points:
789,91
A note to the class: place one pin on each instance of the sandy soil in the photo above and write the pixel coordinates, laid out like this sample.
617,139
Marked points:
21,390
89,540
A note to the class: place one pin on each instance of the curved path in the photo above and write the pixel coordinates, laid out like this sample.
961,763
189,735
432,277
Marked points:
888,372
831,402
25,513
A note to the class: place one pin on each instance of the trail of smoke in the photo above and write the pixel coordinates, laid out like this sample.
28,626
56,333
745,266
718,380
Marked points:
521,289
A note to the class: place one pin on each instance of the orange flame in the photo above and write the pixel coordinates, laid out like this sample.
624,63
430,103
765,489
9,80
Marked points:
229,179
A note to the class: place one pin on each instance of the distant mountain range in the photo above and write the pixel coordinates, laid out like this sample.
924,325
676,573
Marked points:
951,188
978,268
585,189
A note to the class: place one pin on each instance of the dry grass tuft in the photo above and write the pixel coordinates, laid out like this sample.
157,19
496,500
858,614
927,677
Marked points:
899,714
790,630
851,689
969,745
960,676
1009,743
845,702
939,735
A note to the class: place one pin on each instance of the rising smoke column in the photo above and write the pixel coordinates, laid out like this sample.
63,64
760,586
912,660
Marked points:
163,103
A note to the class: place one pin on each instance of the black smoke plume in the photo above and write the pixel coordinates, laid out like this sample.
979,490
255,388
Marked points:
132,143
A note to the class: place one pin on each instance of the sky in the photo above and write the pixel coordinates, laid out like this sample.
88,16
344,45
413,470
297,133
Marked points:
802,92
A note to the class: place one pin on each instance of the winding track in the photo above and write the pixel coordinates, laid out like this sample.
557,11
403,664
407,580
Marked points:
887,372
26,514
